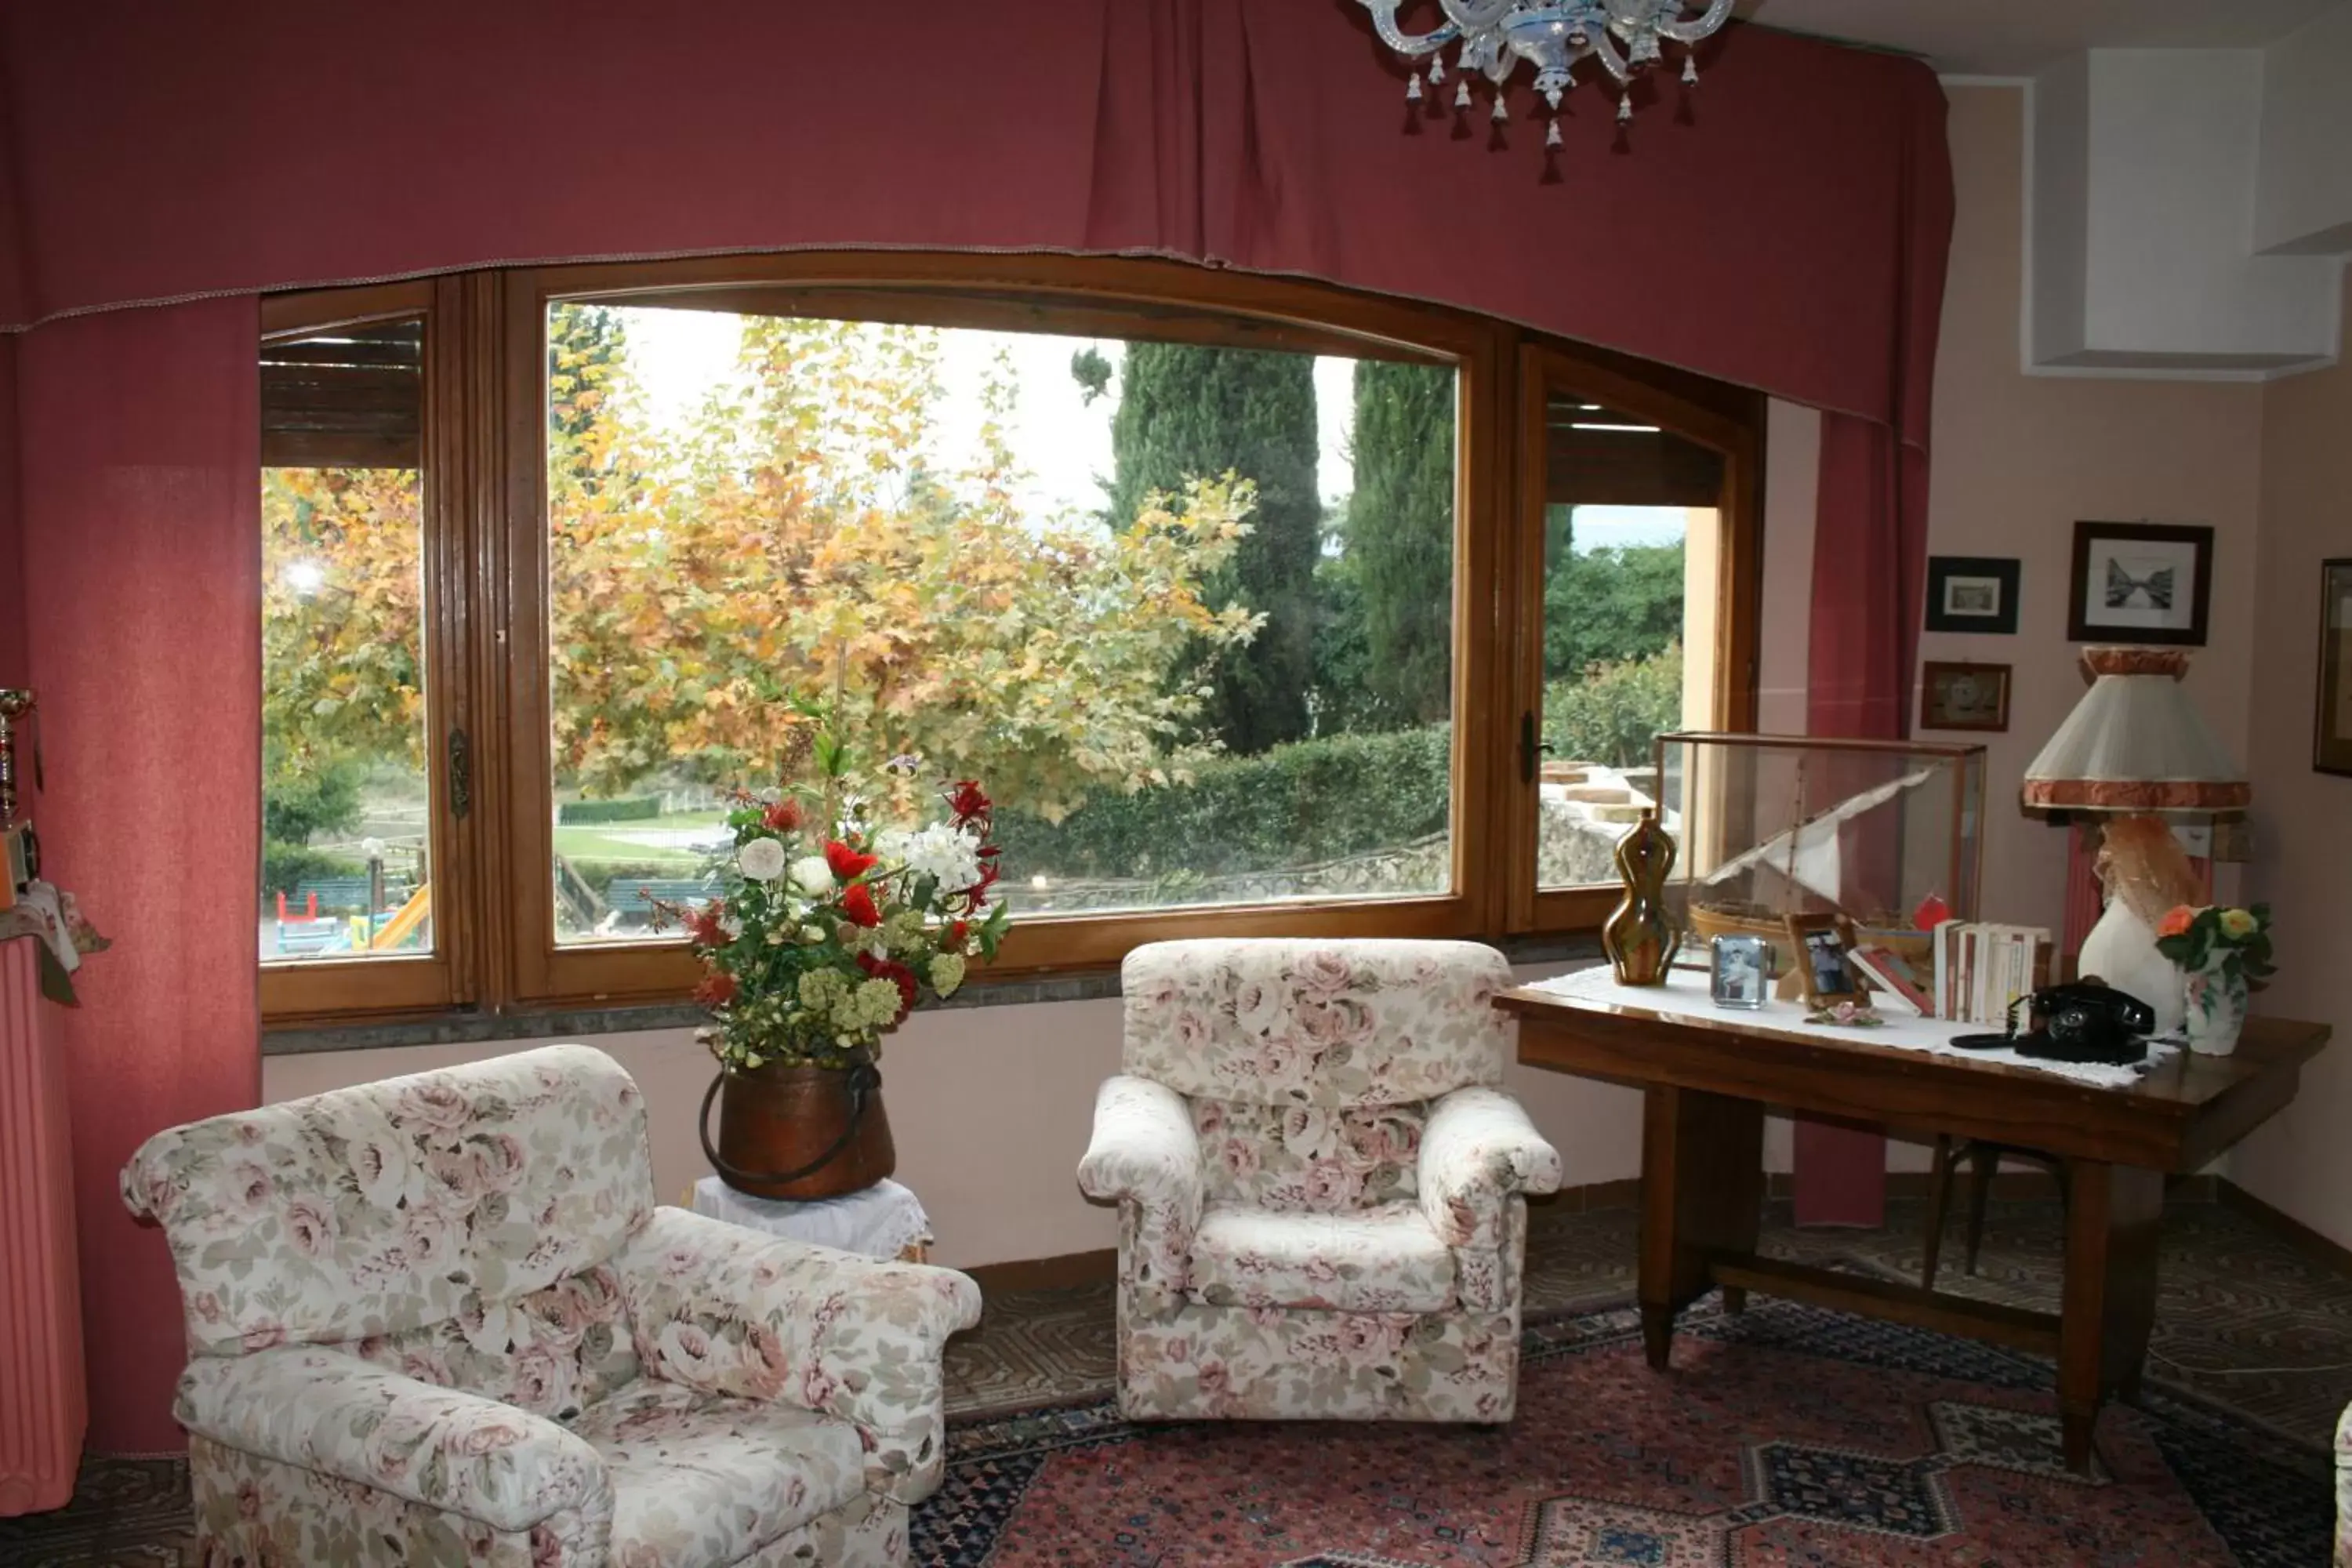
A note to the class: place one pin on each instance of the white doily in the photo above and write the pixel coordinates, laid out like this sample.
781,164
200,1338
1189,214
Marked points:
880,1222
1684,994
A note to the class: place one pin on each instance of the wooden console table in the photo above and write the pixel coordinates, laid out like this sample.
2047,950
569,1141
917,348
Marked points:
1706,1079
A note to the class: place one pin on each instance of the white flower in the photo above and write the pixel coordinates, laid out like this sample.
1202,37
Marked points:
942,850
762,859
811,874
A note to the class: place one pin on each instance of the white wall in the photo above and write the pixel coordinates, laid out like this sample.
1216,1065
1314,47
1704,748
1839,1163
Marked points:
2302,199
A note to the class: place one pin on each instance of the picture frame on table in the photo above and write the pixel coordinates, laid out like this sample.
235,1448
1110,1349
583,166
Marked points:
1739,972
1972,594
2331,727
2140,583
1961,696
1820,944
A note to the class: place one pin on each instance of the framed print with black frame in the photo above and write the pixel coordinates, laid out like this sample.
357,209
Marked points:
1972,594
2331,730
2140,583
1963,696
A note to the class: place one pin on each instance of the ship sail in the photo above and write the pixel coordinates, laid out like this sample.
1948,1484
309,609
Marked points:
1807,854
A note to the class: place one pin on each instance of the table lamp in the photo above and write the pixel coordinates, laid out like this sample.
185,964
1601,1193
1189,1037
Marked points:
2135,750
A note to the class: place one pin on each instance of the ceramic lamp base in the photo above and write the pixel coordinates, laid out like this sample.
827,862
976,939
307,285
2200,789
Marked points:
2121,951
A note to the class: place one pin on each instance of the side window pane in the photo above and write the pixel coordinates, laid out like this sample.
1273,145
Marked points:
1630,572
1185,609
345,798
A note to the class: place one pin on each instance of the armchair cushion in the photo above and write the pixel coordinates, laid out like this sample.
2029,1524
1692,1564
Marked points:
701,1477
1479,1150
1380,1260
382,1208
1145,1151
1307,1157
326,1411
1332,1023
721,1310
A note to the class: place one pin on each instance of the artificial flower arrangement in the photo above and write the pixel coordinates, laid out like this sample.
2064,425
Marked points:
2237,941
829,931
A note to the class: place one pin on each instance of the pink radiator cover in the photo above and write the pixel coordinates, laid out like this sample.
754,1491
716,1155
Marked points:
44,1403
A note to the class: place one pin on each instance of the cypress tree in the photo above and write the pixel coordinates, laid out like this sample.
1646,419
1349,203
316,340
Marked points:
1188,412
1399,537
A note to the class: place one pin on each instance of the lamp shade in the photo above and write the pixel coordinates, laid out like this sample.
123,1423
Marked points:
2136,743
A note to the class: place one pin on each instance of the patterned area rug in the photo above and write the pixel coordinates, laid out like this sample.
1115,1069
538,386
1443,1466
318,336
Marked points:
1787,1435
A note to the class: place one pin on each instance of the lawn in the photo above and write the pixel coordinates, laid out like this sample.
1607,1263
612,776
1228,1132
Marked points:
637,843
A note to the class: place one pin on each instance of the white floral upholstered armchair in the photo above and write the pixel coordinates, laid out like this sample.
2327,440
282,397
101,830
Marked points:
439,1319
1319,1184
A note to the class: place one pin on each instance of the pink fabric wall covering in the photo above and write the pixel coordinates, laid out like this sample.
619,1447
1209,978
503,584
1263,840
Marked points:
45,1411
11,530
141,440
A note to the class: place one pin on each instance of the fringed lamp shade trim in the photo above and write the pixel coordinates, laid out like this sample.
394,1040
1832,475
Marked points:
2120,794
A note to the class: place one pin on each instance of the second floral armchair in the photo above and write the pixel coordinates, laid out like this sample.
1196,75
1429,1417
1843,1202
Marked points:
1320,1184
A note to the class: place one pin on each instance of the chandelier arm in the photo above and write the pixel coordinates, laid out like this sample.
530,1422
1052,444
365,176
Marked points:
1691,32
1384,22
1471,17
1604,50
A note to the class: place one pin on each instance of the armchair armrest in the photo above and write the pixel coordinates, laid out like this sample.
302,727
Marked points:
725,1309
1145,1153
327,1411
1479,1149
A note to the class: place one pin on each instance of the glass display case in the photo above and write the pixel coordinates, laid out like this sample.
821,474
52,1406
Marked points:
1773,825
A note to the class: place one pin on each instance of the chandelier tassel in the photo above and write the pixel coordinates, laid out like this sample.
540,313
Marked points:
1462,94
1501,112
1624,108
1412,88
1551,133
1436,69
1690,67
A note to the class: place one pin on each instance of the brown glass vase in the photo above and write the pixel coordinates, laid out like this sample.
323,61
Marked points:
1640,937
799,1133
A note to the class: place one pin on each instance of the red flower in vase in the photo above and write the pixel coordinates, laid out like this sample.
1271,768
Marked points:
857,905
783,816
849,864
890,969
967,801
717,989
703,928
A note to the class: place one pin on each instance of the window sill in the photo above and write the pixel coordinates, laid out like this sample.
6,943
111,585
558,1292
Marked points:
458,1029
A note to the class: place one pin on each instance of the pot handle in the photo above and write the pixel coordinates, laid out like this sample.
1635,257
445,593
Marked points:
863,1079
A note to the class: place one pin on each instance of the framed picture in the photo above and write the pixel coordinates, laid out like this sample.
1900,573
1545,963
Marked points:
1821,945
2331,742
2140,583
1972,594
1741,970
1964,696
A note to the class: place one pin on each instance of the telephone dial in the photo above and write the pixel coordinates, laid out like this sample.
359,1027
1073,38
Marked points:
2084,1022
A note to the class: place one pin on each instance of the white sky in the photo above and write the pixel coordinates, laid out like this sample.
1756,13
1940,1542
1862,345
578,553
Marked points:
679,356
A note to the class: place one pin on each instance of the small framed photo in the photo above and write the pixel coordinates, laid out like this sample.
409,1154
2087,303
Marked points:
1820,943
2331,742
1740,970
1964,696
1972,594
2140,583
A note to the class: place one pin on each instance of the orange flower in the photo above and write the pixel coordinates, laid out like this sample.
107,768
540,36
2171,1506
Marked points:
2177,922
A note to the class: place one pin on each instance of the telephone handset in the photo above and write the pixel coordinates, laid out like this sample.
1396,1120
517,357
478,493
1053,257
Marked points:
2084,1022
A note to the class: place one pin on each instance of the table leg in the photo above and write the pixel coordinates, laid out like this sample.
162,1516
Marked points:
2112,1217
1702,1194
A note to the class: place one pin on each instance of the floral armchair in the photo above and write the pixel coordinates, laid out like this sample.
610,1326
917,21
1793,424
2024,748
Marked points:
438,1318
1319,1184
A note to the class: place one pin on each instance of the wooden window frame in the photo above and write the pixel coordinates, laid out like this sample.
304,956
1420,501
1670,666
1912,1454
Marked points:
487,542
1728,421
445,978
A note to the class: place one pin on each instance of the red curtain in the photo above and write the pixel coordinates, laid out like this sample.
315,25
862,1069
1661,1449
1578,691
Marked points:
142,572
11,530
1870,568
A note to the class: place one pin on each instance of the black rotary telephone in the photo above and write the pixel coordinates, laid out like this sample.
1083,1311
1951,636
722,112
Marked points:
2084,1022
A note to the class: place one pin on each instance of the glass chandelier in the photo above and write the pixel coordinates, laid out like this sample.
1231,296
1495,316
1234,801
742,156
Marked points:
1552,36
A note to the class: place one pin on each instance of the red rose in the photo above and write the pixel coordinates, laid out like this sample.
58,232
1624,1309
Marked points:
956,932
717,989
702,926
781,817
847,864
858,905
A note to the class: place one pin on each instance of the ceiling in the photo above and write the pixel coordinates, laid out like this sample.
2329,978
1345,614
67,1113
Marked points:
2017,37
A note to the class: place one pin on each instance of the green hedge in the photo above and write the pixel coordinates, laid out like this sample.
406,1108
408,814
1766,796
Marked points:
1294,805
1615,714
584,813
284,867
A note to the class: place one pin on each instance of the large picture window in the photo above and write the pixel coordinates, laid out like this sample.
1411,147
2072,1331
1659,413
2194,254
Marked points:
1218,584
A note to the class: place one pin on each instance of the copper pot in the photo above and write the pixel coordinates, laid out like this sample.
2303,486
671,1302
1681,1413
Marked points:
799,1133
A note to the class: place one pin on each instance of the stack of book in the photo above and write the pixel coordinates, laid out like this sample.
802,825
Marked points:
1981,968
